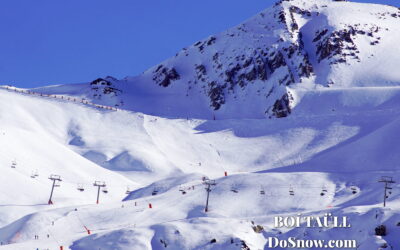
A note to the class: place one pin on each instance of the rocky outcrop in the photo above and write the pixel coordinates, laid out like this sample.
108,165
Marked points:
202,45
277,60
339,45
163,76
102,86
100,81
216,94
294,42
281,107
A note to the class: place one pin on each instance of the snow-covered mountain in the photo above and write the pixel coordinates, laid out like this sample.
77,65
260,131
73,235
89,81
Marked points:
325,68
254,69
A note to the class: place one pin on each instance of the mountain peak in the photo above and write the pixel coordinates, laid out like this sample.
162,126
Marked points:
253,70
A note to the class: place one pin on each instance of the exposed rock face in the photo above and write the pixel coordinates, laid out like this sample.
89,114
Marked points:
380,230
248,70
225,73
339,45
281,107
295,43
201,72
102,86
336,43
216,95
100,81
306,69
276,62
208,42
164,76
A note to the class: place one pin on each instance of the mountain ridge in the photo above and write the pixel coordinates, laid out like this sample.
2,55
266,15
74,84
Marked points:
253,70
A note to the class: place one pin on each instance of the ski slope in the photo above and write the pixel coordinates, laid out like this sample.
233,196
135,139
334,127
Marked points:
294,111
312,150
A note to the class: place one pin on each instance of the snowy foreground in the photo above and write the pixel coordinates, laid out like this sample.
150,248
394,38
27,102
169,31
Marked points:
265,159
292,113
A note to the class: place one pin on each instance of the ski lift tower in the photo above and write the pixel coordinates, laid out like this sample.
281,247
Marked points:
99,184
208,183
387,180
54,178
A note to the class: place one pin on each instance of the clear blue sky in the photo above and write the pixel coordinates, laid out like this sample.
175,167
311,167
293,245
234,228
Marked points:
69,41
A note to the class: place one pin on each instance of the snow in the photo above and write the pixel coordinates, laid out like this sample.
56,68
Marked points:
314,149
370,60
156,147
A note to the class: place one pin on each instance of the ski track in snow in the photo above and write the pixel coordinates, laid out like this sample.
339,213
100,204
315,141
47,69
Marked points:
127,226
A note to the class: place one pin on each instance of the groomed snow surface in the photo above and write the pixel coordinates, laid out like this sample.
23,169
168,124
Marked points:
341,148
